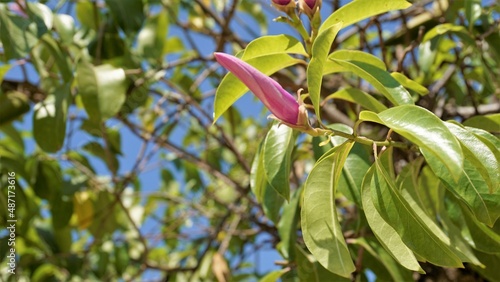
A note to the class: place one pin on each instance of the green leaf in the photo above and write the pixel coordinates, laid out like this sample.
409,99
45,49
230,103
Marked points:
397,212
86,15
287,226
308,269
108,157
273,44
359,97
266,195
49,119
492,265
152,37
46,177
60,57
471,188
386,235
320,226
379,78
356,55
65,27
489,123
461,251
128,14
358,10
370,116
428,132
320,50
272,276
353,172
479,236
12,106
410,84
102,90
231,88
484,160
277,153
18,34
394,271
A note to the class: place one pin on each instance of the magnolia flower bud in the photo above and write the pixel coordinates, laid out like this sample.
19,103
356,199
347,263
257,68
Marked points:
309,7
284,5
281,103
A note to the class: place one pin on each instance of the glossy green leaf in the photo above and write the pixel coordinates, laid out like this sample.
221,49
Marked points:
12,106
396,211
386,235
273,44
152,37
489,123
102,89
49,119
359,97
272,276
410,84
319,53
231,88
320,226
378,78
358,10
356,55
428,132
277,153
266,195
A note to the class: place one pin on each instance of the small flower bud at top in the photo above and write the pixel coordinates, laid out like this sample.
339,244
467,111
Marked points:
309,7
283,5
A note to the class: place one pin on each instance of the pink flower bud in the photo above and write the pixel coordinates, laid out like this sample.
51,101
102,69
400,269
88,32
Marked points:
309,7
284,5
281,103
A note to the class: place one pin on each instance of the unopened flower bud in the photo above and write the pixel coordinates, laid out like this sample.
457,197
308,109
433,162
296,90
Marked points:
284,5
309,7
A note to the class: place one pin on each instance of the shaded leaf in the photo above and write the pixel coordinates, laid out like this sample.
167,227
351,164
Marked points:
397,212
277,152
320,226
100,85
386,235
358,10
49,119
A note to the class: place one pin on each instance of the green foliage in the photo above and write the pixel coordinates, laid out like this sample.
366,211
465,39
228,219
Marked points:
108,115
